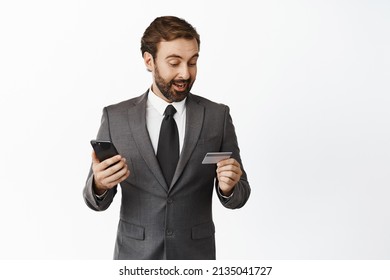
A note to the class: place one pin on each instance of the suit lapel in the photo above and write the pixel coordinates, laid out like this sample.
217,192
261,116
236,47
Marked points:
194,121
137,123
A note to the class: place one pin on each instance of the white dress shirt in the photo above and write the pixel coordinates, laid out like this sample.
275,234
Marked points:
155,108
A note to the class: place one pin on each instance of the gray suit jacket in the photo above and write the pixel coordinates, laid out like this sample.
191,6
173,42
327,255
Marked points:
159,221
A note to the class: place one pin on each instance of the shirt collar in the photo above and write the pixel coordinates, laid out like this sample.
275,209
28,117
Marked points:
160,104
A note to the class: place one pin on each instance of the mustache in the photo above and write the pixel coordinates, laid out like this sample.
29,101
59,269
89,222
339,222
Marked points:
188,81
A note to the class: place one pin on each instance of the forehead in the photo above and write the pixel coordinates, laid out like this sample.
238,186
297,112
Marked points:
181,47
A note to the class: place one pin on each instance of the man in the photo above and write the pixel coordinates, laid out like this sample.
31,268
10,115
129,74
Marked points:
166,214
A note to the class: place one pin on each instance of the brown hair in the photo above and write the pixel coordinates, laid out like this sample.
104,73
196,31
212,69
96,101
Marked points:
166,28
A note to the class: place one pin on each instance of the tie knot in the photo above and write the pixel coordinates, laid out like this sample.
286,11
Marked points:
170,111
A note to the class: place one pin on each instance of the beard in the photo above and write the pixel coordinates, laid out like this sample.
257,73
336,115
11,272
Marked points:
167,89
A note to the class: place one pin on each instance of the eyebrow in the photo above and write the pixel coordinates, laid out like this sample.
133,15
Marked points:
178,56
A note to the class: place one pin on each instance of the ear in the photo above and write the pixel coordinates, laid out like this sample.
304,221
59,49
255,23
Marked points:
149,61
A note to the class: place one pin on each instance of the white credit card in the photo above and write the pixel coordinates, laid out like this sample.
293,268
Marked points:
215,157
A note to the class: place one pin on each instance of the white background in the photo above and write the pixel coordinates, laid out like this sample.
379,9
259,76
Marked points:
308,87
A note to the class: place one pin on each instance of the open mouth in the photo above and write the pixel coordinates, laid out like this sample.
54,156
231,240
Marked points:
180,85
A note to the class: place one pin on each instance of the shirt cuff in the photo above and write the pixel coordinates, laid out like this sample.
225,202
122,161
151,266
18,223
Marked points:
224,196
101,196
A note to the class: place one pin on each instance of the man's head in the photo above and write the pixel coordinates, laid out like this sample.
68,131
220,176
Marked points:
170,48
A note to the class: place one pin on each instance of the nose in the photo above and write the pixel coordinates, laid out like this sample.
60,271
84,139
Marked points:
184,72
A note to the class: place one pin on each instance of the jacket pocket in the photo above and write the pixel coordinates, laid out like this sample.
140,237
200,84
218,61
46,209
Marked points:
132,231
203,230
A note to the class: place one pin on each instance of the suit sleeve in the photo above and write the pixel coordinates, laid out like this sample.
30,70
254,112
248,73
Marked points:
242,189
88,193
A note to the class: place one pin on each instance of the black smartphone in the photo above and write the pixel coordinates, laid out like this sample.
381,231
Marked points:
104,149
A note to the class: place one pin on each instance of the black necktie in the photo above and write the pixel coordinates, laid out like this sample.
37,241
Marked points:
168,144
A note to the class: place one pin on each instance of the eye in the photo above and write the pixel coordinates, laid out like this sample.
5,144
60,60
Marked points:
173,63
192,63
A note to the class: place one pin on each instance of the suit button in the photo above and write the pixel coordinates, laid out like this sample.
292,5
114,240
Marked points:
169,232
170,200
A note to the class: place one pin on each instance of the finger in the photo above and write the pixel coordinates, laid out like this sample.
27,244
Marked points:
101,173
106,172
102,166
229,161
229,167
113,168
118,173
111,161
229,174
227,180
124,177
117,177
114,183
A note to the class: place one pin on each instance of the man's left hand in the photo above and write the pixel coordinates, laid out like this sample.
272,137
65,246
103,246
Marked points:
228,173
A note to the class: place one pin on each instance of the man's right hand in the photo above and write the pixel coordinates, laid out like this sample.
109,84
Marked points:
109,173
